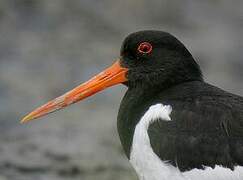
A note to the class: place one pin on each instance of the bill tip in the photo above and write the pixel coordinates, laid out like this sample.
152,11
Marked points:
26,119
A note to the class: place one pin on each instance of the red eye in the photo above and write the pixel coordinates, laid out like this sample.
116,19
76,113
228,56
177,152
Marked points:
145,48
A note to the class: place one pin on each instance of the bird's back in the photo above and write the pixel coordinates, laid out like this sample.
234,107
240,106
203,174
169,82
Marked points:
206,127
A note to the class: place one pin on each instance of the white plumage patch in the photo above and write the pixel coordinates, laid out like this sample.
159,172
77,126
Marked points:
149,166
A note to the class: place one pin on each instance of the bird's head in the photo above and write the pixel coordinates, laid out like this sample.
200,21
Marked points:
156,58
148,59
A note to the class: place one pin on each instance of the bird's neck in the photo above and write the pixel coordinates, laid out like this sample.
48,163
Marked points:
134,104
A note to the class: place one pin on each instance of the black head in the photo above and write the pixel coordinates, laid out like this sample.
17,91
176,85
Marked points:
156,58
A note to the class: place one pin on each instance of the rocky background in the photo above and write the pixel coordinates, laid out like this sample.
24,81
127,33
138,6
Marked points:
49,46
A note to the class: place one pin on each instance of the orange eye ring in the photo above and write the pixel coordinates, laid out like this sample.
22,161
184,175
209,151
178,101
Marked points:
145,48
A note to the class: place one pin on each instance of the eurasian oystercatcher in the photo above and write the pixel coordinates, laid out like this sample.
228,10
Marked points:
171,123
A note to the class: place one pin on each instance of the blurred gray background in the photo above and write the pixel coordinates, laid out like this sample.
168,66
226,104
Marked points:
49,46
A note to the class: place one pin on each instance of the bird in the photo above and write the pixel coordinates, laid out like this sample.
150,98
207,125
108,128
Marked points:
171,123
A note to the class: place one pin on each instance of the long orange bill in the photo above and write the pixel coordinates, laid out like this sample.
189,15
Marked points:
109,77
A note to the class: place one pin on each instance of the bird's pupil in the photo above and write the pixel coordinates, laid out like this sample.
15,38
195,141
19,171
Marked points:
145,47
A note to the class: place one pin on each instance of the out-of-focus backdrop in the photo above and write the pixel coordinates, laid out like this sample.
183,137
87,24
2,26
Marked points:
48,47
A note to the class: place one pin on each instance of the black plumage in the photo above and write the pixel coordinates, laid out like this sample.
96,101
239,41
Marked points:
207,122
